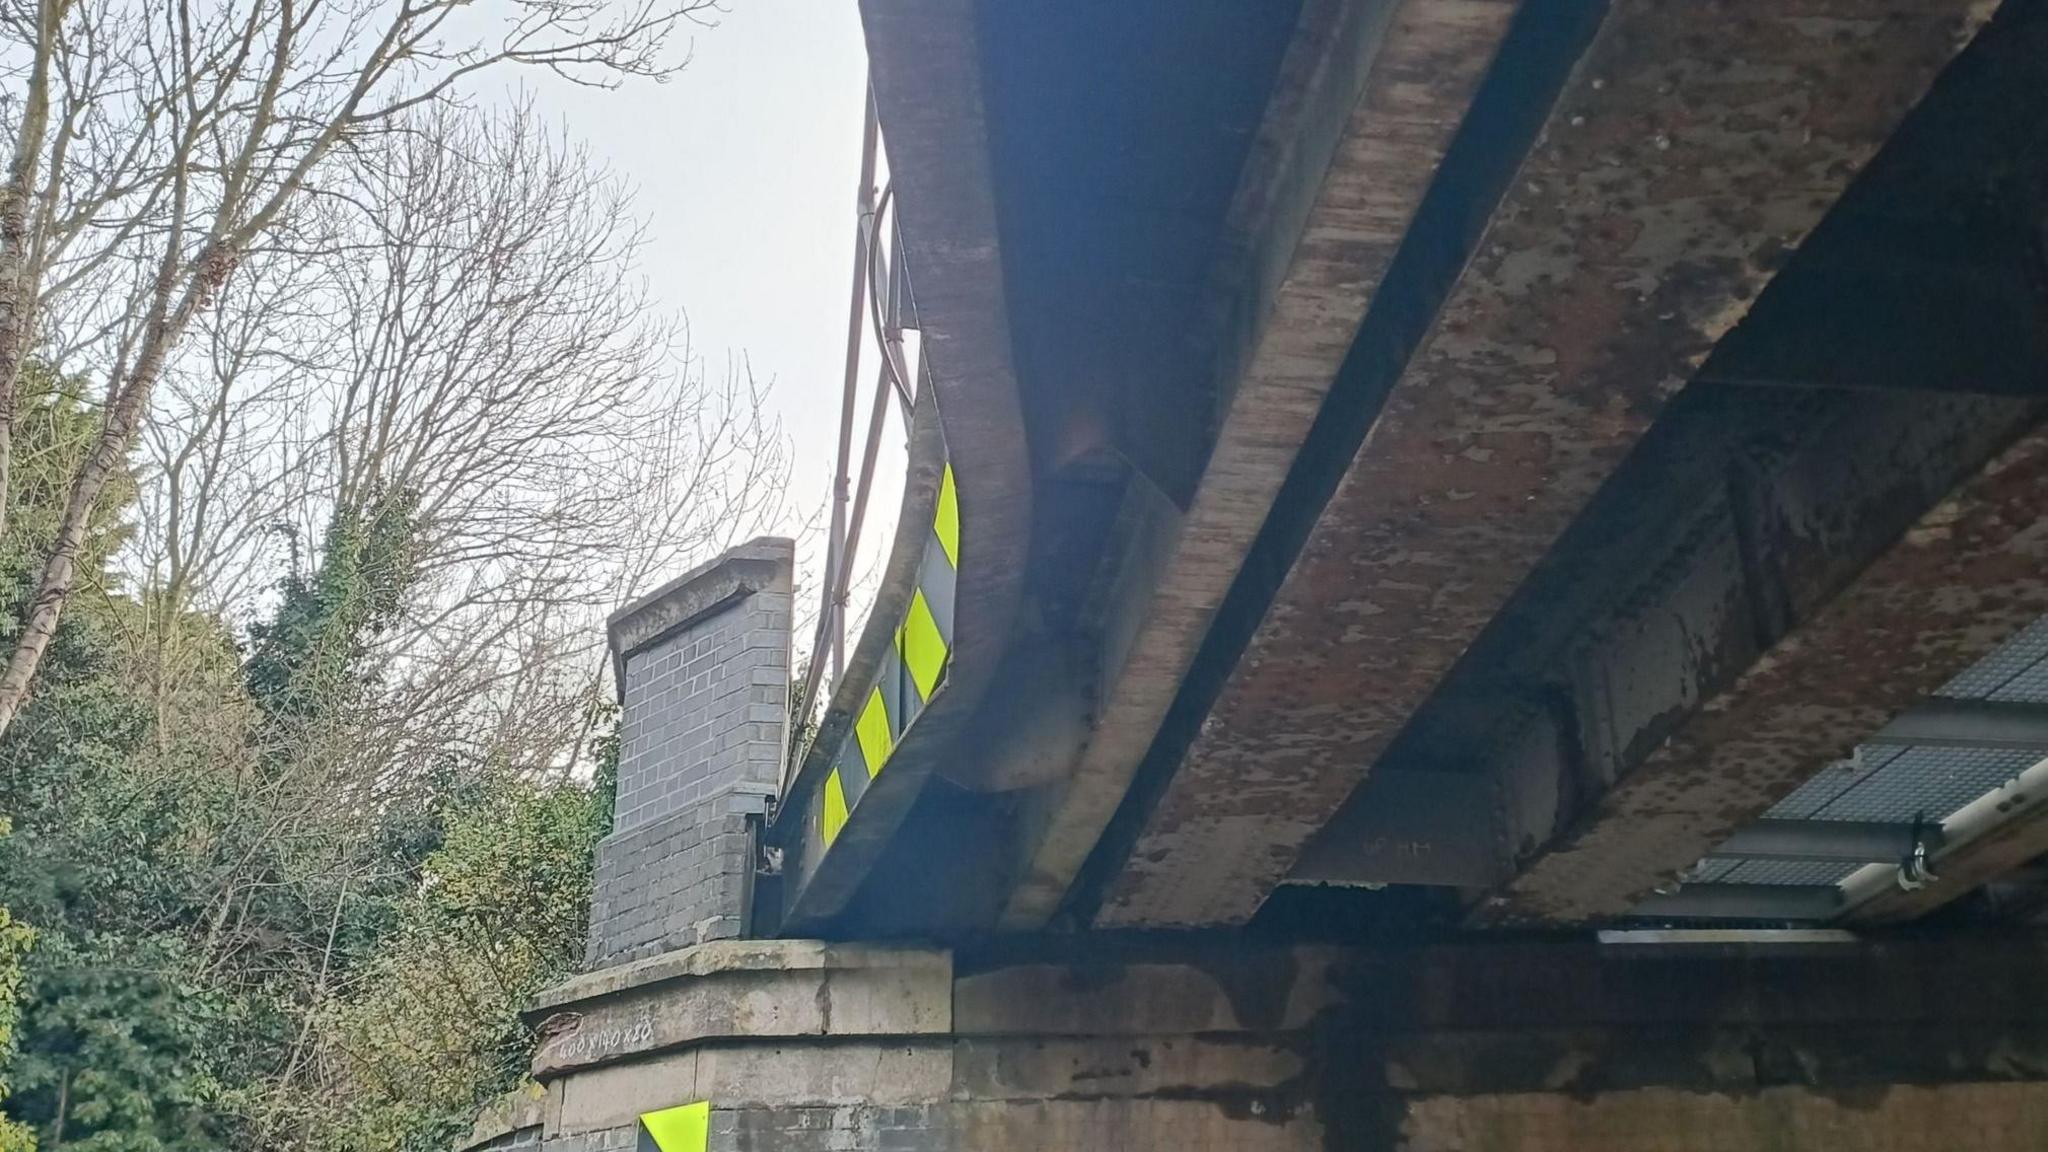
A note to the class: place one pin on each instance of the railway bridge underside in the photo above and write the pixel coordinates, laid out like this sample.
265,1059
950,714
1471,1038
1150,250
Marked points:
1473,577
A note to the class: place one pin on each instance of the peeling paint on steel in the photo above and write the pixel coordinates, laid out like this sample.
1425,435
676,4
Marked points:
1694,147
1964,578
1422,79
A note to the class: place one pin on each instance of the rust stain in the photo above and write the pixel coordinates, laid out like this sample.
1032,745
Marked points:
1423,76
1970,573
1695,145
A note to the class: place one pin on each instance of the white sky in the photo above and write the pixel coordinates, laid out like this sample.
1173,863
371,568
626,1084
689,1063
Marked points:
744,166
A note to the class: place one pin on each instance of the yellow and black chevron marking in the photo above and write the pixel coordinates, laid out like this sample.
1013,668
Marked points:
910,675
683,1129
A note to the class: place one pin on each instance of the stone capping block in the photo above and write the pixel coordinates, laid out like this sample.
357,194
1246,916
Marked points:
738,989
734,575
856,1074
1034,1068
1260,992
516,1111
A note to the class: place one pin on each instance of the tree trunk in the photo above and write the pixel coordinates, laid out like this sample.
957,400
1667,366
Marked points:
17,295
117,436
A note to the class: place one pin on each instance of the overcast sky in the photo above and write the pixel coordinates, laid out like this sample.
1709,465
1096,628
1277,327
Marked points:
745,165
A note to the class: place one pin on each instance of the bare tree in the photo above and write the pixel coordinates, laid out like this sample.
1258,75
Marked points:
233,111
501,361
453,315
224,463
15,197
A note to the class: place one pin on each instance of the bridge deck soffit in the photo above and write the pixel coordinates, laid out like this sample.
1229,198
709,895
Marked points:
1686,152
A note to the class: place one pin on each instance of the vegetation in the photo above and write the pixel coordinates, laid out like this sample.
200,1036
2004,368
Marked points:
331,418
203,975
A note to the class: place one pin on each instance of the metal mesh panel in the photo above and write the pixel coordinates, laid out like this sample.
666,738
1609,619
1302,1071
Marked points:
1810,800
1927,781
2017,661
1895,784
2029,687
1776,872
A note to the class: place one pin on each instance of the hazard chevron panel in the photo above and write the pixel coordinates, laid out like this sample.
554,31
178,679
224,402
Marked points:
887,723
686,1128
912,673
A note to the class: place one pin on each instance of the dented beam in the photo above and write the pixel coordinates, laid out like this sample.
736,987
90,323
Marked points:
926,82
1692,147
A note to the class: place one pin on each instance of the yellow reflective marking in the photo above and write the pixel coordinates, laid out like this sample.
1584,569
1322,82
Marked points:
684,1129
924,649
834,817
873,730
947,522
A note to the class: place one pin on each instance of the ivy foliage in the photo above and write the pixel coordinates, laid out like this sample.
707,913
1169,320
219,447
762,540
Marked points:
15,939
183,967
498,917
309,657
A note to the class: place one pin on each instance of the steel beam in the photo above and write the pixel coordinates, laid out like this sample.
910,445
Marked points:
1971,571
1743,902
1840,841
1850,612
1370,98
1944,722
1658,200
1404,827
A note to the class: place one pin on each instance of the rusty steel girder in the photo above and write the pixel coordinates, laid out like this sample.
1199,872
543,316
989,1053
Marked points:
1692,147
1968,574
1371,98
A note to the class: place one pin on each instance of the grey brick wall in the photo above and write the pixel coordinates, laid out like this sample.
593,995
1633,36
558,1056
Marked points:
705,711
703,669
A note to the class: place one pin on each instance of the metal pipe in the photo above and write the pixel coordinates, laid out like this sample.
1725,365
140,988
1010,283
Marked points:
889,322
877,417
870,140
1719,938
830,638
887,315
2016,799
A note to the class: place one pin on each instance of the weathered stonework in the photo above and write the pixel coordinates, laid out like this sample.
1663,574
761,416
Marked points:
804,1046
703,671
511,1123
